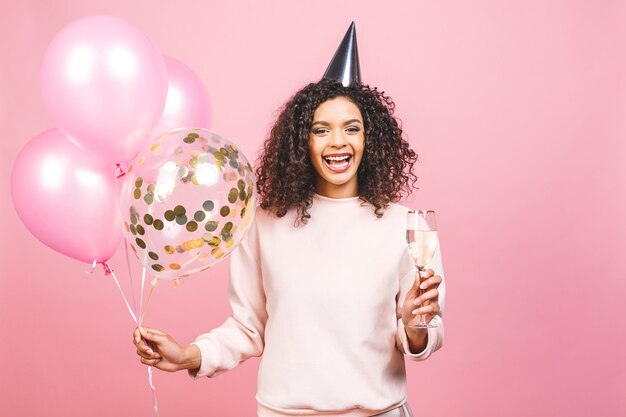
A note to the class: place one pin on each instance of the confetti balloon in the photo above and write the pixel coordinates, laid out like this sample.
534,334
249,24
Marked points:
188,199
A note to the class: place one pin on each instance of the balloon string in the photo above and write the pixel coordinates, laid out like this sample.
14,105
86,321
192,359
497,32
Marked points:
155,407
145,307
93,267
143,284
119,173
130,274
142,311
109,271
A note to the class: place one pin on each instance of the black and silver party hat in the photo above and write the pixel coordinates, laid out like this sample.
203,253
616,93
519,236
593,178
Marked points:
344,67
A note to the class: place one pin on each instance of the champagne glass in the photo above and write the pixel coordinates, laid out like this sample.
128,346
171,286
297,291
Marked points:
421,239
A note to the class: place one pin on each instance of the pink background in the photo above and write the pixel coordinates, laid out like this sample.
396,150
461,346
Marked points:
518,112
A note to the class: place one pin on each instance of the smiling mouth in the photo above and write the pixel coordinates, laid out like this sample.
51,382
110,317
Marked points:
338,163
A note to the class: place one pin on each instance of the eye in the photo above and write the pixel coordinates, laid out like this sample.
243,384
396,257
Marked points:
353,129
320,131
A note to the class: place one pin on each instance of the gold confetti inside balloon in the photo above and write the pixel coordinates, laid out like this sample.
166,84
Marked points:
188,199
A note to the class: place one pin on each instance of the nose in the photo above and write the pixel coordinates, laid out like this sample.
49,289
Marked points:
337,140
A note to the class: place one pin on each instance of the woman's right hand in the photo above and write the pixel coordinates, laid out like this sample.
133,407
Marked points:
160,350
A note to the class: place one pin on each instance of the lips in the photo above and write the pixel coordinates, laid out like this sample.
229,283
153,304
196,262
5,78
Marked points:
338,162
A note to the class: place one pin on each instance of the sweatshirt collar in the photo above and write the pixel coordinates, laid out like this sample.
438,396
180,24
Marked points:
337,201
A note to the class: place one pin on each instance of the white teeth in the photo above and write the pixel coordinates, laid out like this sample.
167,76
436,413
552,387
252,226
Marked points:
337,158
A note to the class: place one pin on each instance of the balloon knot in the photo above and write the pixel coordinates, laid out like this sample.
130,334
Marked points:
119,171
107,268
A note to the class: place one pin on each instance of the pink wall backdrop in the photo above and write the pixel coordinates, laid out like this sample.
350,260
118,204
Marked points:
517,110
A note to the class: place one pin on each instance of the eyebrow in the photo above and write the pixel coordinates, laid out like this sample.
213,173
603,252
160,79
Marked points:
347,122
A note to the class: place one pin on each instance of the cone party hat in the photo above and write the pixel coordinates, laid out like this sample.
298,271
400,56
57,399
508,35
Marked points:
344,67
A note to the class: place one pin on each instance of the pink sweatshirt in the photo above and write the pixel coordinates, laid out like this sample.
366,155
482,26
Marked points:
321,304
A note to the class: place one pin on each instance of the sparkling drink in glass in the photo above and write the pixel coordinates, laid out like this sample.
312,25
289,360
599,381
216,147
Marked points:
421,238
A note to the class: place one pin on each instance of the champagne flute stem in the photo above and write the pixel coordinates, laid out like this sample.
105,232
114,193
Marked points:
421,292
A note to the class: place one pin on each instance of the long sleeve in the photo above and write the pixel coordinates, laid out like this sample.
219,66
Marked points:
241,336
435,335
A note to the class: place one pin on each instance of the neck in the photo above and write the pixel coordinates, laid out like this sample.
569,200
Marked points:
329,190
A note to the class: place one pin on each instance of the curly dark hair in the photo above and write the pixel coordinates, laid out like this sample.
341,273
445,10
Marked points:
285,175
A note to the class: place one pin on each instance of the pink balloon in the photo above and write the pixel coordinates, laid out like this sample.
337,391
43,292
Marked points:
187,103
67,198
104,83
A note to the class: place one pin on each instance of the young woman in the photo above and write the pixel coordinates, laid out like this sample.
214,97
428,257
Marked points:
322,287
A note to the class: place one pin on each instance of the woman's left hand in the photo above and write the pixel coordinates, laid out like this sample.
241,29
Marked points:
427,303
